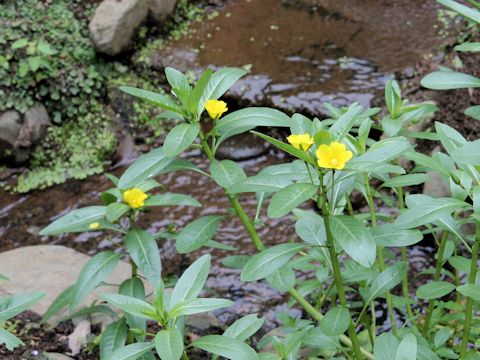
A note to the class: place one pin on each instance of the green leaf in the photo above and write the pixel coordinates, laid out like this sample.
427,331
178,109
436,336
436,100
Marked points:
468,153
335,321
145,167
428,162
260,183
153,98
113,337
23,68
289,198
219,83
171,199
383,236
470,13
354,238
195,306
385,347
224,346
45,48
197,233
10,341
344,123
144,252
310,227
407,349
195,106
169,344
191,282
470,290
20,43
473,111
468,47
265,263
302,155
244,327
75,221
434,290
115,211
385,281
4,278
385,150
446,80
180,138
34,62
97,269
179,84
130,305
134,287
429,211
226,173
59,303
243,120
282,279
393,98
16,304
373,167
406,180
131,352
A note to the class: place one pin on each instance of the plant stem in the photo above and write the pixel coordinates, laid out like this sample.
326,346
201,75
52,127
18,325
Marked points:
436,276
469,306
403,250
336,267
381,259
247,223
185,356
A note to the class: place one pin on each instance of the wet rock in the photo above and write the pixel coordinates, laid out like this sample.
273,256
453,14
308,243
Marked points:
203,322
10,126
79,337
35,125
242,147
435,186
160,9
115,23
57,356
49,268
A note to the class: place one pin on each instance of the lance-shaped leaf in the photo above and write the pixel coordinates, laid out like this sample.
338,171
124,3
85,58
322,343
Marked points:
196,306
354,238
145,167
153,98
191,282
116,210
134,288
131,352
75,221
244,327
113,337
144,252
407,349
243,120
226,173
224,346
16,304
180,138
265,263
289,198
335,321
385,281
170,199
169,344
10,341
197,233
260,183
435,290
133,306
97,269
389,235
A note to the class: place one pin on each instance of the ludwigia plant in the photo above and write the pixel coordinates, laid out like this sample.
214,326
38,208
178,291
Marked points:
11,306
345,262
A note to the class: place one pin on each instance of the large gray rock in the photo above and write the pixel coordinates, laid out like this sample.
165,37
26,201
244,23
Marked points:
115,23
161,9
35,125
10,126
49,268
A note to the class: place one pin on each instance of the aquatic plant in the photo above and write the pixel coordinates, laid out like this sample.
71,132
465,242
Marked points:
346,257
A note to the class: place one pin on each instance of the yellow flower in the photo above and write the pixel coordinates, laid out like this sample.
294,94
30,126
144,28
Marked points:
301,141
216,108
94,226
333,156
134,197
